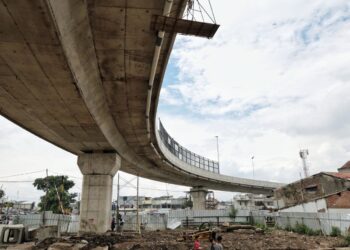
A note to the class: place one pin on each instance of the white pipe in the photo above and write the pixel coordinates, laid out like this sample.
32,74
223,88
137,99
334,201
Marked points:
166,12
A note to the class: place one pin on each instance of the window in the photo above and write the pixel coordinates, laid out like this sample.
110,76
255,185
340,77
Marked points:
311,189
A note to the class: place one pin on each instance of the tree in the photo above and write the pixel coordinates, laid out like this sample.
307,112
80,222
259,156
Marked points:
233,212
57,198
2,193
187,203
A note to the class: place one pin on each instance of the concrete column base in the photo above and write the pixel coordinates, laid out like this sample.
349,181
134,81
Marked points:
198,195
96,199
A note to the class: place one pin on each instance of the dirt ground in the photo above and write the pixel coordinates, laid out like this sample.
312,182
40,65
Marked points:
174,240
246,239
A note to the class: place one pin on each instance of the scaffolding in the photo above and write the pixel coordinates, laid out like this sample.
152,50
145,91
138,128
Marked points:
197,20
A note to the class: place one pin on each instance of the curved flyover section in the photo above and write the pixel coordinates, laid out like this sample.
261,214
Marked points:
86,76
206,169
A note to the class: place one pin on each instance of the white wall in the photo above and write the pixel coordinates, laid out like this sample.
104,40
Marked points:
309,207
340,210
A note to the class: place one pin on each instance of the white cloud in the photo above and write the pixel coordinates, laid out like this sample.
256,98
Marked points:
264,55
275,79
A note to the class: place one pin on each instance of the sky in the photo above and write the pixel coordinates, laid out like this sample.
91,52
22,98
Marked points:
275,79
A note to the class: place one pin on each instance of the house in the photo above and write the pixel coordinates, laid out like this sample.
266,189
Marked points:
322,192
169,202
253,202
345,168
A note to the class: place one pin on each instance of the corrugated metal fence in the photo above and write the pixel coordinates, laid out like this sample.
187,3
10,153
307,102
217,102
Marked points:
315,221
159,221
194,217
187,217
67,223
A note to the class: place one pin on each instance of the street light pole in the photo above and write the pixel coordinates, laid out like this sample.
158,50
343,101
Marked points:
217,149
253,166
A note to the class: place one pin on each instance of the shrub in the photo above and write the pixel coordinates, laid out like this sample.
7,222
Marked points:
335,232
303,229
300,228
288,228
261,226
318,232
347,239
233,212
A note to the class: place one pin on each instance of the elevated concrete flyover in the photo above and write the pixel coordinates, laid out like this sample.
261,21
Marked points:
86,76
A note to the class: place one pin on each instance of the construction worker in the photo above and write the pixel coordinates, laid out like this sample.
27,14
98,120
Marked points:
218,245
113,224
197,244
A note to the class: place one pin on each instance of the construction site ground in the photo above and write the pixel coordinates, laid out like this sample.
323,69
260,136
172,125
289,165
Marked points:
174,240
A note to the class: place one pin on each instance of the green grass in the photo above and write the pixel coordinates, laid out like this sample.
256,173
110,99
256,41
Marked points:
303,229
335,232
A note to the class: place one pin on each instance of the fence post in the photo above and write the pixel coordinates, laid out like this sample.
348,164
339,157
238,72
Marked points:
319,222
59,226
251,218
218,220
69,219
302,221
43,218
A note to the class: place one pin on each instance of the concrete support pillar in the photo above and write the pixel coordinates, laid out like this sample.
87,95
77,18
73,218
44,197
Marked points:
98,170
198,195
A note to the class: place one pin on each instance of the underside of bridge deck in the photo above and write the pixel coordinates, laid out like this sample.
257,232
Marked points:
79,75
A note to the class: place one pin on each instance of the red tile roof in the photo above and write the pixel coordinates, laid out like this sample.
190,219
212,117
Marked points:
346,166
339,175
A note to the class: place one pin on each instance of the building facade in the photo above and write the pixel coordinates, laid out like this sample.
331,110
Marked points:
322,192
253,202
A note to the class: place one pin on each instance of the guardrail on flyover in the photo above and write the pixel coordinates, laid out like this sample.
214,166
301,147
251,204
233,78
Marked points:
186,155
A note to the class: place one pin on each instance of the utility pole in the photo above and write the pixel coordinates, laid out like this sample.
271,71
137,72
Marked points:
137,207
303,153
118,205
217,149
58,195
253,166
47,188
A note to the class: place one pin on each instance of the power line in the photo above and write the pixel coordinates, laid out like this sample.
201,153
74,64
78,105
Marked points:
22,174
155,189
71,176
128,184
15,181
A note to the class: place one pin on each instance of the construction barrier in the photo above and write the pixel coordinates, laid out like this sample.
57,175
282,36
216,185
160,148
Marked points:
161,220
